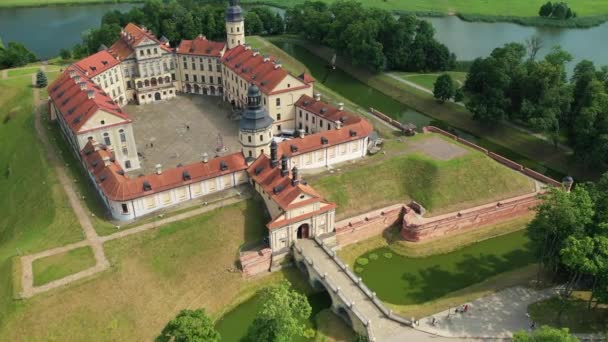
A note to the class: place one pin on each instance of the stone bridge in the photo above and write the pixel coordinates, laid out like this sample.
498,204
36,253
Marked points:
351,299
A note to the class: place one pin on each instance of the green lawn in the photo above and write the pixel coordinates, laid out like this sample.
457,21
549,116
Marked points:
575,316
154,274
40,3
440,186
19,72
61,265
428,80
401,280
34,210
523,8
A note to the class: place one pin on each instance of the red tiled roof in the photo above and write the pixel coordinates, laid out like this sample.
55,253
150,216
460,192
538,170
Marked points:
200,46
130,37
119,187
327,111
333,137
97,63
270,179
73,102
306,78
251,66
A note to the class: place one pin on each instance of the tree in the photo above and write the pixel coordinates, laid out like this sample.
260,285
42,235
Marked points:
560,10
534,44
459,95
558,217
15,54
254,24
545,334
190,326
444,88
281,316
546,9
65,54
1,44
41,80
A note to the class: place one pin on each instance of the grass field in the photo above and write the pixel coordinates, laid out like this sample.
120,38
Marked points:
34,214
19,72
575,316
42,3
61,265
153,276
440,186
403,280
428,80
523,8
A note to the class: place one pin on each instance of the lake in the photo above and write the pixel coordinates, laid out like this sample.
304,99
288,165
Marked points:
46,30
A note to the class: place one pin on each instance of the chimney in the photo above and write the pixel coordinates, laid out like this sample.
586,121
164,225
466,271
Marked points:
106,160
205,158
274,160
72,73
90,94
284,168
159,169
295,180
318,97
83,85
338,124
340,106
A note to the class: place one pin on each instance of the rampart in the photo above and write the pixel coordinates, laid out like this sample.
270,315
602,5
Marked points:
358,228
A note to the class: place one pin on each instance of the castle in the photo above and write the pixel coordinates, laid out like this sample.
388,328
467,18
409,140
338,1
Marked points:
87,100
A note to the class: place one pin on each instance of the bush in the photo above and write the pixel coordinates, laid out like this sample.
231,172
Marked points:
373,256
358,269
362,261
388,255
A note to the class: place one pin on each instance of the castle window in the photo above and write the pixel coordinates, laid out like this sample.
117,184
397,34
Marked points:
185,65
148,51
123,136
320,123
250,154
232,30
187,77
279,128
155,50
210,67
313,119
278,116
249,139
125,151
261,137
300,113
103,122
106,139
194,78
203,79
125,208
210,79
193,66
238,29
328,126
141,52
278,102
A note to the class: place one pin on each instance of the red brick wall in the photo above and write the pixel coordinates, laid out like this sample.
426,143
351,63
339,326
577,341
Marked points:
253,263
417,229
364,226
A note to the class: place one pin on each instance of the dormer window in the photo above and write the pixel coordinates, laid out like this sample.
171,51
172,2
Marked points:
103,122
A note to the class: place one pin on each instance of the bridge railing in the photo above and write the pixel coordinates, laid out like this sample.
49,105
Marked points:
357,280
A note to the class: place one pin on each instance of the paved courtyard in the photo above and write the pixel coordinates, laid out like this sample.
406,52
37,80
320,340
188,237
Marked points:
180,130
437,148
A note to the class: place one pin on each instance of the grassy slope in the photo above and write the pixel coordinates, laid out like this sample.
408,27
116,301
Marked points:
524,8
153,276
61,265
506,140
34,211
428,80
440,186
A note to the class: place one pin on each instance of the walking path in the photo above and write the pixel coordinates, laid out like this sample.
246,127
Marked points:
507,123
92,239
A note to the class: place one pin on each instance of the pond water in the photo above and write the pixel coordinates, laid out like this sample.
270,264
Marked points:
46,30
233,325
401,280
471,40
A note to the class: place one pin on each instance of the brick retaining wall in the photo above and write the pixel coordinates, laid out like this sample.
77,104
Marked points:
416,228
358,228
256,262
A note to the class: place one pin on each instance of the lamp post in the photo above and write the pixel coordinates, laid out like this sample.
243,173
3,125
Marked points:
567,183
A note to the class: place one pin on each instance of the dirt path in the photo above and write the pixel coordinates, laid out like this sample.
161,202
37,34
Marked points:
92,239
4,74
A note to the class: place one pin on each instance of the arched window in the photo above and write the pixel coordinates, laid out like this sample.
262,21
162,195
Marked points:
147,83
261,137
123,135
139,84
106,139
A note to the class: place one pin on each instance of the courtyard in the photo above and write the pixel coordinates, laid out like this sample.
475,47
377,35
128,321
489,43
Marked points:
180,130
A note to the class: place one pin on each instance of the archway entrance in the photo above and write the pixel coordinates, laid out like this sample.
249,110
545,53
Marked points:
157,96
303,231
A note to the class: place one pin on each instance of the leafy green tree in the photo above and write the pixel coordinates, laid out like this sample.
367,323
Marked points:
545,334
104,35
190,326
546,9
254,24
65,54
15,54
1,44
459,95
558,217
281,316
189,27
560,10
41,80
444,88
